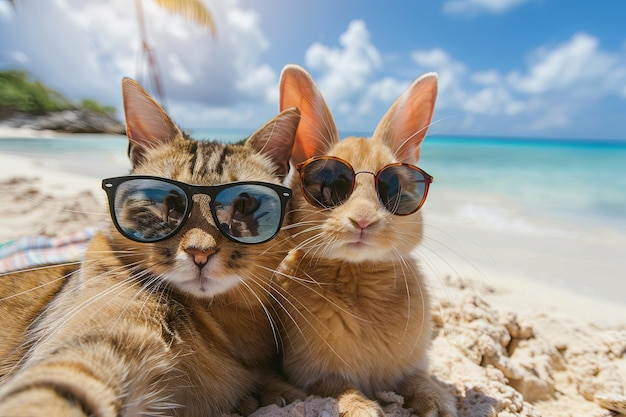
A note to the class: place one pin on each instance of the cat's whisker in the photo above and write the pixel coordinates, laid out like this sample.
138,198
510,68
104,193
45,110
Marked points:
153,286
274,328
278,302
312,249
426,250
68,315
298,308
40,286
310,283
407,141
37,268
299,224
313,235
38,336
458,244
309,230
405,266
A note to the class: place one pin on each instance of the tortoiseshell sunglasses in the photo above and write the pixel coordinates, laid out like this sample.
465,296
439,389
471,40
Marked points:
328,181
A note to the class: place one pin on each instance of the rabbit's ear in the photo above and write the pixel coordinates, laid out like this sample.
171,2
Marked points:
405,124
147,123
316,132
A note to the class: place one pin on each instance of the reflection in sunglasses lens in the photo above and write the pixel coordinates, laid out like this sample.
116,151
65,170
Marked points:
401,189
327,182
148,210
248,213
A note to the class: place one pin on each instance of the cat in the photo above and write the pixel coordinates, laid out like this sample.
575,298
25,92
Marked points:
167,313
355,311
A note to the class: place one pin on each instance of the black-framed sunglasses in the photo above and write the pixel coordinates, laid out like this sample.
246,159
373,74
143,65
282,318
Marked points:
328,181
150,209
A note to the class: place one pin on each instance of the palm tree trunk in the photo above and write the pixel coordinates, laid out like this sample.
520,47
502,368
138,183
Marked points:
146,52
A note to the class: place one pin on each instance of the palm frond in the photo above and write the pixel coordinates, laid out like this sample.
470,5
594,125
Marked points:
190,9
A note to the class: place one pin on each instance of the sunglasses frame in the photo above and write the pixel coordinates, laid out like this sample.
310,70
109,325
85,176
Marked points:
428,179
110,185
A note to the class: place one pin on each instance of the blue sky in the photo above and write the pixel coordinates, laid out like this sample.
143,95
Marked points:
538,68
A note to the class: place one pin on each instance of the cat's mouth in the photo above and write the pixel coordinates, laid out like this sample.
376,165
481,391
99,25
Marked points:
205,285
205,282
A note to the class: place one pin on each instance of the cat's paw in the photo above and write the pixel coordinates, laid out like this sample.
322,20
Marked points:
354,404
433,403
282,397
426,397
247,405
288,267
278,392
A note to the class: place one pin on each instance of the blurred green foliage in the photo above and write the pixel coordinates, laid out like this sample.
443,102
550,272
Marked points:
93,105
19,93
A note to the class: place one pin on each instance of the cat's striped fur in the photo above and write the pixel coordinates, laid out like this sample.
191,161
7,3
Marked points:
118,337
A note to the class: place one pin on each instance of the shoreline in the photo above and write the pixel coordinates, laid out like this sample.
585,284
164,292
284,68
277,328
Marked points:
491,240
7,132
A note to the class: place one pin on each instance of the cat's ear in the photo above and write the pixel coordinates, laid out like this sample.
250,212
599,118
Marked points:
317,131
275,139
147,123
404,126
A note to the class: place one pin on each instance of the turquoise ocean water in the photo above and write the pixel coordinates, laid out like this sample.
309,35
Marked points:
582,180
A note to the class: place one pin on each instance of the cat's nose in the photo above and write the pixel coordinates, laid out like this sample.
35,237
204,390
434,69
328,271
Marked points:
201,256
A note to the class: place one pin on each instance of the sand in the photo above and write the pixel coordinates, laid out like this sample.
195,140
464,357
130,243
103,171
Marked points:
528,313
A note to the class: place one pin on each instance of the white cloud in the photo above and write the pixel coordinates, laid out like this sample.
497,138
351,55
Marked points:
557,85
490,101
5,10
436,58
474,7
178,71
451,74
574,67
259,82
85,48
18,57
489,77
385,92
345,70
347,79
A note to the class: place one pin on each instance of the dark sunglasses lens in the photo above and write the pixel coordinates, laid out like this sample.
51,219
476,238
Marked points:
327,182
148,210
249,213
401,189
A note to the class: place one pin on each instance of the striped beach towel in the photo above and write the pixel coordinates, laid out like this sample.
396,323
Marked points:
35,251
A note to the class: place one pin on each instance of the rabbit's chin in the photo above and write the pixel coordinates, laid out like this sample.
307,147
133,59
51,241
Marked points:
356,251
